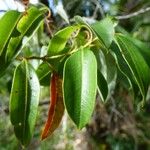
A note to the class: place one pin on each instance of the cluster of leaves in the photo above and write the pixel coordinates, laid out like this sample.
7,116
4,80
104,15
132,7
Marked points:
80,60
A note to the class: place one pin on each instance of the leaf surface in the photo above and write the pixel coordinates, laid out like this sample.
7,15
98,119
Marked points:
59,40
24,102
80,85
104,30
8,28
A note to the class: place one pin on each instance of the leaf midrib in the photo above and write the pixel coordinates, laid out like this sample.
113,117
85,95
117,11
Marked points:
26,98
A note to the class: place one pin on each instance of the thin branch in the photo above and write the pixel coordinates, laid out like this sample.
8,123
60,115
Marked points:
137,13
98,7
44,58
36,57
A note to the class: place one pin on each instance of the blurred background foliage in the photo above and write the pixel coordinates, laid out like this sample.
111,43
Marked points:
116,125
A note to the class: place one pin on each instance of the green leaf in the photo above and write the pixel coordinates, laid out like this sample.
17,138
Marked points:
102,86
44,74
27,25
142,47
59,40
111,72
123,66
104,30
135,62
24,102
107,66
79,86
7,28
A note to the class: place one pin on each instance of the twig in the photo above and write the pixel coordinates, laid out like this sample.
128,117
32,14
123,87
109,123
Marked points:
36,57
98,6
141,11
44,58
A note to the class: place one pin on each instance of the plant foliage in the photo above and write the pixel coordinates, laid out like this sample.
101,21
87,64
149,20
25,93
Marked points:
80,61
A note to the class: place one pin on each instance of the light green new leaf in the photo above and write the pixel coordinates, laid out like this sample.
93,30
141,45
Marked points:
24,102
27,25
59,40
79,86
135,62
104,30
7,28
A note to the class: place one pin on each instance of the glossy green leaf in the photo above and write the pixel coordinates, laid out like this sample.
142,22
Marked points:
79,86
102,86
104,30
24,102
135,62
59,40
7,28
27,25
44,74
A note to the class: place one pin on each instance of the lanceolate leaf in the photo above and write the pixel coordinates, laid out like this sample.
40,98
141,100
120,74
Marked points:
24,102
56,109
104,30
26,26
79,86
136,63
7,28
58,42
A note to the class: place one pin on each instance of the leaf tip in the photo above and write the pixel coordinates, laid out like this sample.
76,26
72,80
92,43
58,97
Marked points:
43,137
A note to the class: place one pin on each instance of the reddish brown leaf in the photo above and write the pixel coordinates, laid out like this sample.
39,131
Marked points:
56,108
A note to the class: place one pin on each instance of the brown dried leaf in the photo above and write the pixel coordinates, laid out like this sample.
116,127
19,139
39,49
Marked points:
56,108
